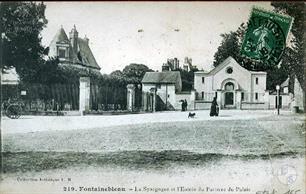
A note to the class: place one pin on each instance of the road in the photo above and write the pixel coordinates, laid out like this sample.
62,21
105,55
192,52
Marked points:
45,123
246,150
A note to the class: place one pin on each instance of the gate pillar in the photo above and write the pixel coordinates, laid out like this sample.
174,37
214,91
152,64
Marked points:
153,92
238,99
130,97
219,98
84,94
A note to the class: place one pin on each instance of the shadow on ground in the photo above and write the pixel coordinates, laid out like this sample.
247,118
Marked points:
138,160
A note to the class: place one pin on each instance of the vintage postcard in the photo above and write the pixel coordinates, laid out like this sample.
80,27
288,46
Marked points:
152,97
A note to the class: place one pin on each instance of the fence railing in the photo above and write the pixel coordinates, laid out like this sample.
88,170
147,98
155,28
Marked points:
41,97
205,96
105,98
249,97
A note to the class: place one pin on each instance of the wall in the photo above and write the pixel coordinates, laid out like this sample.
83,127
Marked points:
198,85
299,95
189,96
258,88
162,92
202,105
239,74
254,106
286,101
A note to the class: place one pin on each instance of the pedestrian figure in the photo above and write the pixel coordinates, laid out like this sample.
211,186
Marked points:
182,101
214,109
186,104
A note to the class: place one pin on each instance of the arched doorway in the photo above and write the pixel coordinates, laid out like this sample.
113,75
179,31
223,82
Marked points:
229,95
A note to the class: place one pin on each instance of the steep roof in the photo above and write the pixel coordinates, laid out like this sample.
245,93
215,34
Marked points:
87,57
166,77
285,83
228,60
161,77
82,55
60,36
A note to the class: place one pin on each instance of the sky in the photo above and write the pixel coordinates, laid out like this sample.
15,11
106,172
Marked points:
121,33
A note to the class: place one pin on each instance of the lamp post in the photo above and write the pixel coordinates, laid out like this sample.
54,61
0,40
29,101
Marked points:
277,101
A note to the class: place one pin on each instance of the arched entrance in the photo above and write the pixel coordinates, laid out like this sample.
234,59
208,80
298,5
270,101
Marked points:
229,95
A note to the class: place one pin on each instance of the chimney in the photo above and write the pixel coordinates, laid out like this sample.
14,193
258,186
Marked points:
86,39
73,36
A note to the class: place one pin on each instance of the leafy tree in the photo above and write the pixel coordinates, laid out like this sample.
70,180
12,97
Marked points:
135,72
230,46
22,23
118,78
294,56
187,79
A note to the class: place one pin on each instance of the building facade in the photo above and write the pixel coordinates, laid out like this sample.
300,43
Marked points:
73,51
234,86
162,86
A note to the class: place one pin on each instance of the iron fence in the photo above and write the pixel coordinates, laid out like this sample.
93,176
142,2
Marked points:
105,98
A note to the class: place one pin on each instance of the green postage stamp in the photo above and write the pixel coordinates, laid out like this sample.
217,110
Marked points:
265,38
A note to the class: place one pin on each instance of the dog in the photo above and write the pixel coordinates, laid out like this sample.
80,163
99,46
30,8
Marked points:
191,115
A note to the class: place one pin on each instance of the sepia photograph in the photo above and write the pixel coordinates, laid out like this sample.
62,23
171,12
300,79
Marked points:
152,97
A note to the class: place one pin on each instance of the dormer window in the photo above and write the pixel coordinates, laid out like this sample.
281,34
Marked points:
63,51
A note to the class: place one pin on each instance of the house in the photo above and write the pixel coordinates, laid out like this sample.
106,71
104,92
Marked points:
285,98
9,77
73,51
233,85
10,83
299,99
162,86
163,91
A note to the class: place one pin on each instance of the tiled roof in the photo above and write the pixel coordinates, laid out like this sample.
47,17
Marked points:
161,77
82,55
61,36
86,55
285,83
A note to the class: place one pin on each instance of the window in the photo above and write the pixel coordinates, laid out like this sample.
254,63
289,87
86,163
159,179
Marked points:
256,96
202,93
229,70
256,80
203,80
242,96
61,53
229,86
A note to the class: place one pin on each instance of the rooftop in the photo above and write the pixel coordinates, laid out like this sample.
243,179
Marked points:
161,77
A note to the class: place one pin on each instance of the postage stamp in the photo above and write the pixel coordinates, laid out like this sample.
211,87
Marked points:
265,38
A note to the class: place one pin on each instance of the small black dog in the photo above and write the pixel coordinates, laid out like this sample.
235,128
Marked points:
191,115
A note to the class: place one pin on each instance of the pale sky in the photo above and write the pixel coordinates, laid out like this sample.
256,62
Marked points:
112,29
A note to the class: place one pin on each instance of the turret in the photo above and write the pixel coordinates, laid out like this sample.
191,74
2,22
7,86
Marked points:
86,39
73,37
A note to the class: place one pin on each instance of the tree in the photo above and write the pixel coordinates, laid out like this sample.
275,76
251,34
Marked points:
22,23
230,46
118,78
187,79
135,72
294,56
